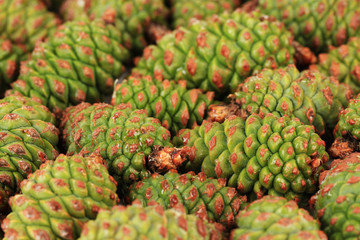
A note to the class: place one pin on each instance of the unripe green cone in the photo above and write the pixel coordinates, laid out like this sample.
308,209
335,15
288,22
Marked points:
153,222
343,63
79,63
171,103
26,21
337,202
122,136
276,218
58,199
278,156
219,54
316,23
310,96
205,197
10,56
28,138
134,16
184,10
349,120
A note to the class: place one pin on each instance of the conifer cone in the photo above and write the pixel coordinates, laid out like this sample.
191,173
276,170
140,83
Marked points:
276,218
343,63
153,222
273,155
79,63
310,96
26,21
59,198
184,10
10,56
317,24
122,136
133,17
337,202
207,198
28,138
218,54
171,103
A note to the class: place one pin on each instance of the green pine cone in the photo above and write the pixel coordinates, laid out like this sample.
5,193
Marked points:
310,96
207,198
349,120
171,103
152,223
276,218
275,156
26,21
134,16
10,56
79,63
184,10
317,23
219,54
122,136
343,63
28,138
58,199
337,203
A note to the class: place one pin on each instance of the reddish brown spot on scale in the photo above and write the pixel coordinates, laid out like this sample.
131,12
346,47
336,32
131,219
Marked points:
168,57
326,189
31,213
217,79
201,228
353,180
212,143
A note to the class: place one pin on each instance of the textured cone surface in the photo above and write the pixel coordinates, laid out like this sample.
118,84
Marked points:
349,120
184,10
317,23
338,200
343,63
79,63
28,137
310,96
10,56
135,16
275,156
59,198
122,136
205,197
26,21
276,218
152,222
171,103
219,54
